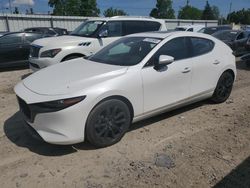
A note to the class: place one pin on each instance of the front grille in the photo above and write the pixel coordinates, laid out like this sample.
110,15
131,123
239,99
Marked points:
24,108
34,51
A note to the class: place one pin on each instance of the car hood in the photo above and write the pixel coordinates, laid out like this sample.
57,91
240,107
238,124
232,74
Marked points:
71,76
61,41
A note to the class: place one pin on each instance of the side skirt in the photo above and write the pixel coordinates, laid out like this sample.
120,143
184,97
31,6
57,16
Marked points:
173,106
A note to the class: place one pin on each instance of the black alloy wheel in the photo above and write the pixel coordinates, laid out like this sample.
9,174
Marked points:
107,123
223,88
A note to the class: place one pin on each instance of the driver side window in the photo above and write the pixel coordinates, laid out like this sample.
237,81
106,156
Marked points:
176,48
114,28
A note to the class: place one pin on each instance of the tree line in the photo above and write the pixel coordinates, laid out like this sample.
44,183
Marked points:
163,9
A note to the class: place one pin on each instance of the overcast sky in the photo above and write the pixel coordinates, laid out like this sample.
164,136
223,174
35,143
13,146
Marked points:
132,7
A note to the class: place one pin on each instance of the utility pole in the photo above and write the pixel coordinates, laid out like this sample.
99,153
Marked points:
230,10
10,6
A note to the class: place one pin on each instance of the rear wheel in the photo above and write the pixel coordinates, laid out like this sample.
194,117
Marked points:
223,88
107,123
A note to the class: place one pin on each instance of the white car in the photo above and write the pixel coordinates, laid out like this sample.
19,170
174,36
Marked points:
191,28
135,77
88,38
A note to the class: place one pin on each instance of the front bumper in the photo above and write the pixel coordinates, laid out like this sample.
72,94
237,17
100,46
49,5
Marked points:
40,63
62,127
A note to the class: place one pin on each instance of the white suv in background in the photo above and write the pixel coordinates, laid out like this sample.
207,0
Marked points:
88,38
192,28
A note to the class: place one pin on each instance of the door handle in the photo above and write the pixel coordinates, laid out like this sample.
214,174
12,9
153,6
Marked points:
216,62
186,70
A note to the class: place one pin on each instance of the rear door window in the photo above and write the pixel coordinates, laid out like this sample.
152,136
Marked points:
131,27
201,46
152,26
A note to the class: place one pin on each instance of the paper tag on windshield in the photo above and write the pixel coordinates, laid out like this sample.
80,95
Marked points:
152,40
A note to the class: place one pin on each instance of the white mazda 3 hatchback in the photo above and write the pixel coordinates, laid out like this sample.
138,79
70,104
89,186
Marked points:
133,78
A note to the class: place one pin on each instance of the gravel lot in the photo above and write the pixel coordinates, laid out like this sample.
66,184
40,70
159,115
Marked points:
201,145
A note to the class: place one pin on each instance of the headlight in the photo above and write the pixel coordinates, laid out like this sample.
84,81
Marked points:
53,106
50,53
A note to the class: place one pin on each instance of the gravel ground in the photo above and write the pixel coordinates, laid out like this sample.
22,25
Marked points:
201,145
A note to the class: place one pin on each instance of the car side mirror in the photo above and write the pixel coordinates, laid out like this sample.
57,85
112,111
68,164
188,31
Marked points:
103,34
163,61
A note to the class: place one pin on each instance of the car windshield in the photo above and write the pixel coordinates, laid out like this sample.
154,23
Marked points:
226,35
127,51
87,29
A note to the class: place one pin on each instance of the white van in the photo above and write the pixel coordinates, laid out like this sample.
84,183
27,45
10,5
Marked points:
88,38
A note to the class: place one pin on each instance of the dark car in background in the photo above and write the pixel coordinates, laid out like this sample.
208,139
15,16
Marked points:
47,31
213,29
235,39
15,48
246,57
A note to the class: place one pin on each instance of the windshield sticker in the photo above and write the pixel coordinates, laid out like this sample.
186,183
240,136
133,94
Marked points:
152,40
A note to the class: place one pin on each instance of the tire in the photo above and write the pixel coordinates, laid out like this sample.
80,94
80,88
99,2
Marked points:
223,88
67,58
107,123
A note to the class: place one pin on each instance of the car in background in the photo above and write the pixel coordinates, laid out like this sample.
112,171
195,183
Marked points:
248,44
192,28
47,31
15,48
133,78
213,29
235,39
88,38
246,57
2,33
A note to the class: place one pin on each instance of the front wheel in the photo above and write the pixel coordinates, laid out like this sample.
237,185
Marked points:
107,123
223,88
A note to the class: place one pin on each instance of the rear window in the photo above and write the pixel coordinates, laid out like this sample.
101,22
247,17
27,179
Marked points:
226,35
201,46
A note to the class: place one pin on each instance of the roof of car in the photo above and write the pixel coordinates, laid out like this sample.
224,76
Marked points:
188,26
10,33
165,34
220,26
126,18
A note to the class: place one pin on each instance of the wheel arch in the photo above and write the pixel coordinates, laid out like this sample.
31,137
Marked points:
121,98
229,71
